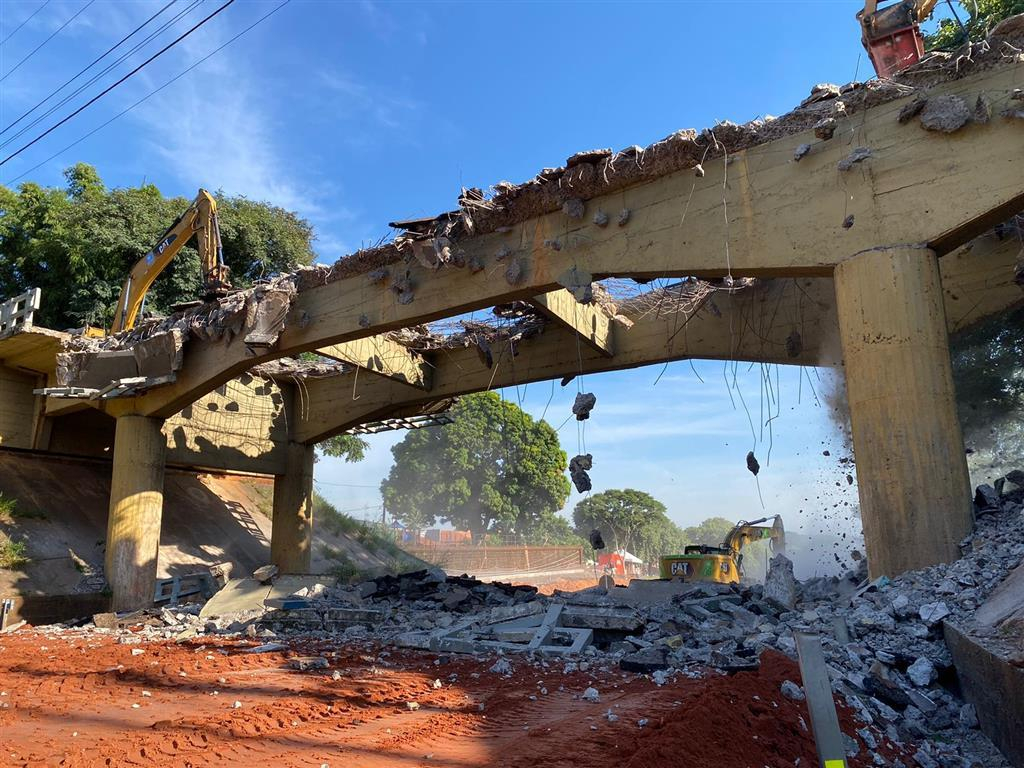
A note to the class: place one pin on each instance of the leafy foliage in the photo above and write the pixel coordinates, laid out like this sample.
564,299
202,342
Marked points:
12,554
629,519
987,369
78,243
711,532
494,469
348,447
982,16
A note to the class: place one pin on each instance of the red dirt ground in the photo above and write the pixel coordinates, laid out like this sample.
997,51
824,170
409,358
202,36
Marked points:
70,700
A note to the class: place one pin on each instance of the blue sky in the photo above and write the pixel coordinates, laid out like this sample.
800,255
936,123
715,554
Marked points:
359,113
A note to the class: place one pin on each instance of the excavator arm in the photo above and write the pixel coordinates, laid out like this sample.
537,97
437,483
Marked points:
744,533
199,219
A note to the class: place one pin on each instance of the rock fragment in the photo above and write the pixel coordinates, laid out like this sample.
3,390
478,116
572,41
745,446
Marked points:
945,114
792,691
584,404
858,155
780,585
578,471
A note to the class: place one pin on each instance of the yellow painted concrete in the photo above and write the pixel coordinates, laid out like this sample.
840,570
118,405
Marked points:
912,472
292,532
136,506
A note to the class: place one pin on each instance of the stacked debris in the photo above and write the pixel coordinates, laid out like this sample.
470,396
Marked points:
885,641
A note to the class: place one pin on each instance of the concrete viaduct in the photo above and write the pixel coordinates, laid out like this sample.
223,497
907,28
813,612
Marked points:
870,242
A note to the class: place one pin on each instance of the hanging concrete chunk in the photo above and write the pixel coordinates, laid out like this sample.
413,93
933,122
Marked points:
601,219
578,466
825,128
574,208
859,154
752,463
911,110
801,152
584,404
945,114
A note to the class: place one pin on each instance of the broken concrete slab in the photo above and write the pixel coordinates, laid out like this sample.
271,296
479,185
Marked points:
619,619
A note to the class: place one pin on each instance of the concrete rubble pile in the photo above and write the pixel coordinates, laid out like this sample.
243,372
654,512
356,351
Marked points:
885,641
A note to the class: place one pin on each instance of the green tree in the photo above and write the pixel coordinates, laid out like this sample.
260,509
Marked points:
628,519
982,16
348,447
78,242
711,532
493,470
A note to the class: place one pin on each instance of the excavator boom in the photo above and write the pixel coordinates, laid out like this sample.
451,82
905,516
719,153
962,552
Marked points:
199,219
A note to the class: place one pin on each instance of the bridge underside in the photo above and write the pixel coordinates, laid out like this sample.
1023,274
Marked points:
845,233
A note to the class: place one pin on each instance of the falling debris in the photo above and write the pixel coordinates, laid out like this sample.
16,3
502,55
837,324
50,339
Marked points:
752,464
578,467
584,404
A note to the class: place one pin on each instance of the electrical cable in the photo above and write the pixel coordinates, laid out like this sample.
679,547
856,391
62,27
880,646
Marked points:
152,93
90,66
33,52
109,88
26,21
26,128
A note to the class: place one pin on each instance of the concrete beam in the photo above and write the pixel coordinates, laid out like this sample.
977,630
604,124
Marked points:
780,321
757,214
382,356
588,320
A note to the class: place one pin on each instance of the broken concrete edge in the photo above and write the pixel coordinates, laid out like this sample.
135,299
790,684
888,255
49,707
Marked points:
260,312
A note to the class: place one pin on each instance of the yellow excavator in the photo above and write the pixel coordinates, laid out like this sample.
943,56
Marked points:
199,219
724,564
892,35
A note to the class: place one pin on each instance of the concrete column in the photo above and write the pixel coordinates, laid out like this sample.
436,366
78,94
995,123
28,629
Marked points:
136,505
915,497
291,539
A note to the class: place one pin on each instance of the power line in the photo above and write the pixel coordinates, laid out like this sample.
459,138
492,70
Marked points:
152,35
151,93
109,88
80,12
26,21
90,66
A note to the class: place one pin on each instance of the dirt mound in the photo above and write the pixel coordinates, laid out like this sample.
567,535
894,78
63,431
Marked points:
61,516
86,700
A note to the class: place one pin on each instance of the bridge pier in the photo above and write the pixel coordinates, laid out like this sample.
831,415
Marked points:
911,469
136,507
291,538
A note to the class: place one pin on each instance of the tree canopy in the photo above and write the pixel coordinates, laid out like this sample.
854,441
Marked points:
981,17
711,532
78,242
629,519
493,470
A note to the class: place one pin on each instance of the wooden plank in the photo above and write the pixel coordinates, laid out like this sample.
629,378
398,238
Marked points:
588,320
381,355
